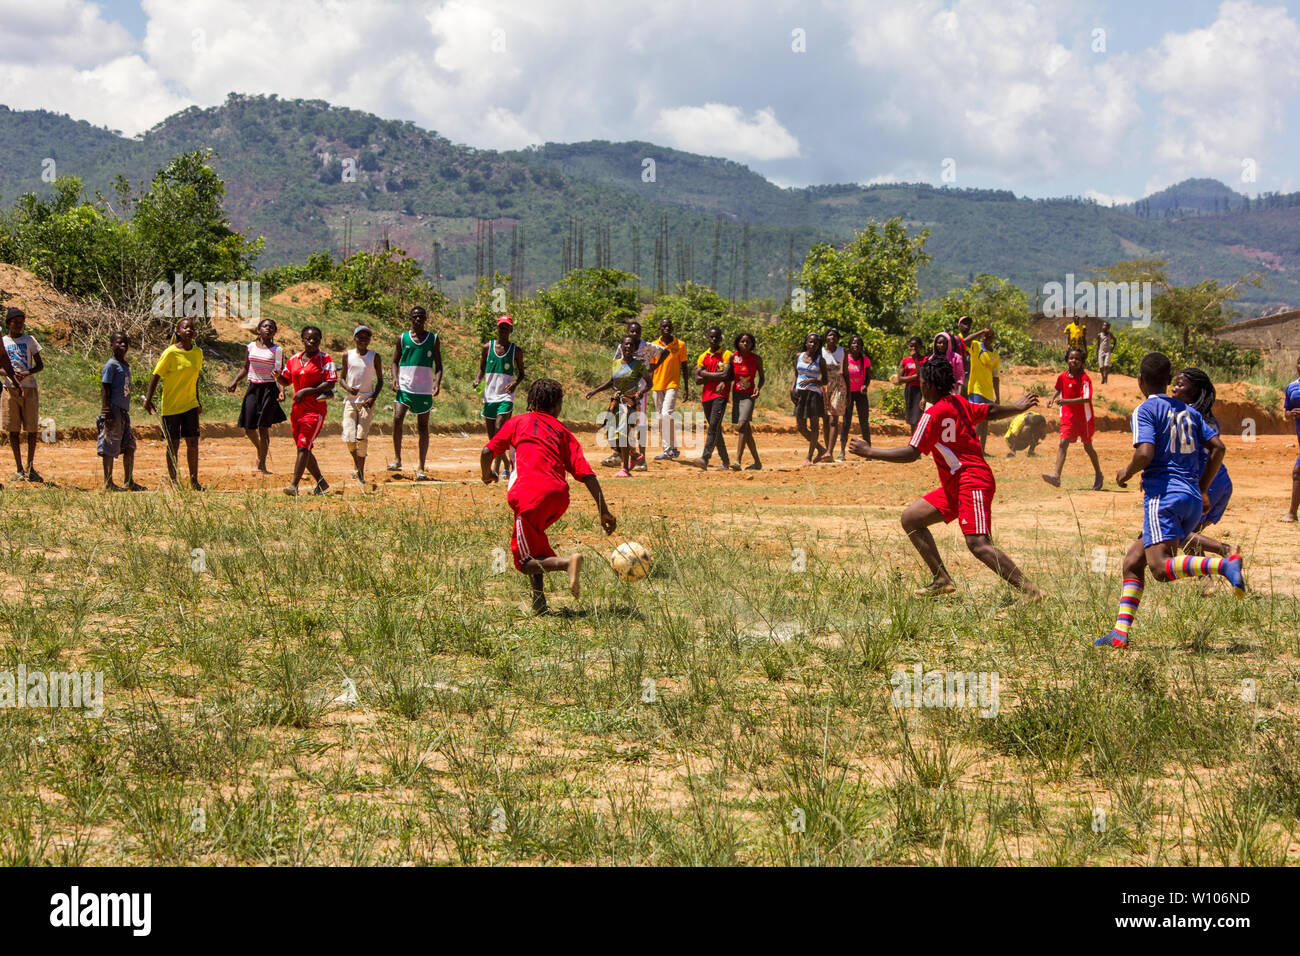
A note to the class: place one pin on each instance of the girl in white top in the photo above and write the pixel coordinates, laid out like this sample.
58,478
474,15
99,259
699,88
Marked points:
261,408
363,377
836,391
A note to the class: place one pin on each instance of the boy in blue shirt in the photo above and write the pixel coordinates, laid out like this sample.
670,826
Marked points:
1168,436
1291,409
115,434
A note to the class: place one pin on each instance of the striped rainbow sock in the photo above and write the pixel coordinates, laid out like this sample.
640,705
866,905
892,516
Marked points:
1130,597
1193,567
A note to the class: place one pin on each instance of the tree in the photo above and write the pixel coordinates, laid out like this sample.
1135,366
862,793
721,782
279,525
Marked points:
864,286
383,284
591,302
1191,314
693,308
182,227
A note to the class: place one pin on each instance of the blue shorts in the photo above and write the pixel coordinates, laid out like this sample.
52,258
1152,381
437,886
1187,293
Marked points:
1171,516
1219,493
976,399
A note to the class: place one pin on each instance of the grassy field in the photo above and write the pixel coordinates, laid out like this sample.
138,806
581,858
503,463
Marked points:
330,682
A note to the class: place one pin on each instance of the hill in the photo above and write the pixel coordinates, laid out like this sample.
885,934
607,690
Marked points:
308,176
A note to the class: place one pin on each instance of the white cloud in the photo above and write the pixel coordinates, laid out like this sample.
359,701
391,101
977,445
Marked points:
1224,90
716,129
1010,89
1108,199
991,84
124,94
70,32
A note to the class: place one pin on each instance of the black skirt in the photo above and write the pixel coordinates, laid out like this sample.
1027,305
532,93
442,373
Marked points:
261,407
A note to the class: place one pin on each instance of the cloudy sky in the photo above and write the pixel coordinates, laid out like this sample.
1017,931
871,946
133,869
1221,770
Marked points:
1110,98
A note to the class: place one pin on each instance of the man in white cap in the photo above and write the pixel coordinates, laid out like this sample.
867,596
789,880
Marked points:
500,369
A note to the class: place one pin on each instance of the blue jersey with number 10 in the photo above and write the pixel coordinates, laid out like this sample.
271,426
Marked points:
1178,433
1293,401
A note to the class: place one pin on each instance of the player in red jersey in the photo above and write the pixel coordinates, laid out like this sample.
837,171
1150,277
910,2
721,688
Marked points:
1074,395
947,433
538,492
312,374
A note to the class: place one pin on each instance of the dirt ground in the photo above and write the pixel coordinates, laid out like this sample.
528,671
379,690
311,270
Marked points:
826,502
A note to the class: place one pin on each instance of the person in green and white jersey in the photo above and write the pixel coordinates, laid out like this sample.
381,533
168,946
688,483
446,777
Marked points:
500,369
417,378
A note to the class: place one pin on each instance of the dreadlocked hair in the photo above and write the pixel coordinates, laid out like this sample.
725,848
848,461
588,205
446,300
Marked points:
1205,395
937,371
544,394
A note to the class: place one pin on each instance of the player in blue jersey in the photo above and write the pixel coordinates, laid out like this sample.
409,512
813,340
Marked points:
1168,436
1291,409
1193,387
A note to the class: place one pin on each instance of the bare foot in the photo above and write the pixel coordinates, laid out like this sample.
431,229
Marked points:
1288,518
935,588
1053,480
575,572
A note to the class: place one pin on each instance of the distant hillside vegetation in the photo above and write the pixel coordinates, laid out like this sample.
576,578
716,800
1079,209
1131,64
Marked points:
311,176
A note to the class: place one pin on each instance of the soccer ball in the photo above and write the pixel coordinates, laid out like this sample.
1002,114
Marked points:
630,561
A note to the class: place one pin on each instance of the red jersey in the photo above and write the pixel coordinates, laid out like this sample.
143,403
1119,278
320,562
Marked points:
1071,387
712,361
745,371
946,432
544,451
305,371
907,368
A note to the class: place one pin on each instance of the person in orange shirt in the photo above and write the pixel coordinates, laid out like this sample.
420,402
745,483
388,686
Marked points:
666,382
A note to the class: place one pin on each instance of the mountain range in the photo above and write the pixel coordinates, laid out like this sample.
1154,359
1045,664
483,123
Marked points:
311,176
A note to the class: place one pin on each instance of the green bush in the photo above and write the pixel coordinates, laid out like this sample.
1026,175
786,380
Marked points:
382,284
894,401
319,267
692,310
590,304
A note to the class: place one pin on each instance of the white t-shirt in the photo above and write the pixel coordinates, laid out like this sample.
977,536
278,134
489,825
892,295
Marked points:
22,355
361,375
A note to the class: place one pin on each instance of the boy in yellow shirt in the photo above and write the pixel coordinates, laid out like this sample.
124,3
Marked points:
984,382
1076,337
666,382
178,370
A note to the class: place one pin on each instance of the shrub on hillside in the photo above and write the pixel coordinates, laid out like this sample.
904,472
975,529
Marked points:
590,304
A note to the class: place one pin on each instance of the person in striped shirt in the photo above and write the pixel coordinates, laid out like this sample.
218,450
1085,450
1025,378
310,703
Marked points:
947,433
261,408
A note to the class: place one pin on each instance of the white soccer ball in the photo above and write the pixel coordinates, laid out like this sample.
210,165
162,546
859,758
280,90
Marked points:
630,561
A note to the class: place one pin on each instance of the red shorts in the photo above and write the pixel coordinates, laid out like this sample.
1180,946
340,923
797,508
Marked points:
534,513
1078,429
972,506
306,424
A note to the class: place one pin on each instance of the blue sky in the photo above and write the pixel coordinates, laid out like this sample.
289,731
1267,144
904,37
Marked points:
1009,94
